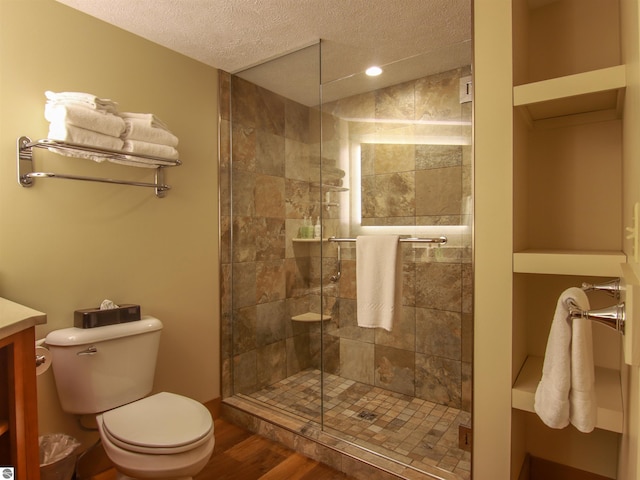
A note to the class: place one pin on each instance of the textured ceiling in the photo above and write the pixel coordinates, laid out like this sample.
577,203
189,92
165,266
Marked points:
233,35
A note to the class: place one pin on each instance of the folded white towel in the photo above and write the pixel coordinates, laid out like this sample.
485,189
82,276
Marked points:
154,149
84,117
149,118
378,280
68,133
139,129
80,98
566,392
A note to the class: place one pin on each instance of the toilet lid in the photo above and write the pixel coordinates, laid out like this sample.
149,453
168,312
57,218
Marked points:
163,421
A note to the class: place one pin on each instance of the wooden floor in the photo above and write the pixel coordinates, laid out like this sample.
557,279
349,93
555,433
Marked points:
241,455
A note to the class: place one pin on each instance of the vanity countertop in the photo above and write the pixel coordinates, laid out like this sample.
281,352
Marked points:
15,317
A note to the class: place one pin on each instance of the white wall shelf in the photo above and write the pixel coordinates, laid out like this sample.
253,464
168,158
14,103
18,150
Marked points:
608,392
569,262
580,98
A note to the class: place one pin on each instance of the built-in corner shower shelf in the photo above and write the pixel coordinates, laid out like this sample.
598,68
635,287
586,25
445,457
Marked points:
311,317
608,393
27,174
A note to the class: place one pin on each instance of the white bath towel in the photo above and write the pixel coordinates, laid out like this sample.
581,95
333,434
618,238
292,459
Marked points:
139,129
154,149
80,98
84,117
68,133
566,392
149,119
378,280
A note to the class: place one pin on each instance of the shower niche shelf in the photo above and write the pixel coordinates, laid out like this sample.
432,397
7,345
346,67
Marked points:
310,317
27,174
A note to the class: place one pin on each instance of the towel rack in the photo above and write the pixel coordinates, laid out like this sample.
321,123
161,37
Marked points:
611,287
438,240
26,173
612,317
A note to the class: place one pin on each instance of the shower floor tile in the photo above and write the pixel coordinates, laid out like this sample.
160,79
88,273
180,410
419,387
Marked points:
401,427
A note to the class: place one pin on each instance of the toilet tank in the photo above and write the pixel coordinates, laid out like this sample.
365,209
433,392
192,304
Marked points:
97,369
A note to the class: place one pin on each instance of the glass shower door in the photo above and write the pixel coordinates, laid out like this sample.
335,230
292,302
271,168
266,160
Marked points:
403,155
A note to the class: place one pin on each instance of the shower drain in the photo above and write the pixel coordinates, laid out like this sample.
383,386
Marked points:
366,415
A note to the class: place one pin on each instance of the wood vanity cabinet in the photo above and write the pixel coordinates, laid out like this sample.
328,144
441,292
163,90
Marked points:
18,395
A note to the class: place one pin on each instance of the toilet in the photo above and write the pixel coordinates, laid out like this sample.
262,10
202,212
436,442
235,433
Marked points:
108,372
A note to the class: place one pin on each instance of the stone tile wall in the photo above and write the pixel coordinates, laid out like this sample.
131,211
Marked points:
267,278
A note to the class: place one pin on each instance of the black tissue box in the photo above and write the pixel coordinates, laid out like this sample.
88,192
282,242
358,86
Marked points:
94,317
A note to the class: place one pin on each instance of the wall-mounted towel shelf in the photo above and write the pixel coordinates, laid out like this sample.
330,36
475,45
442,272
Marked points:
27,173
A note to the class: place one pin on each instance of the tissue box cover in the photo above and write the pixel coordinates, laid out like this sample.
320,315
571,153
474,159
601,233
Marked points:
94,317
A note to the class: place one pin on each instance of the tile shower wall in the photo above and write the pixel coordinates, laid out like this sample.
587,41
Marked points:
428,353
267,278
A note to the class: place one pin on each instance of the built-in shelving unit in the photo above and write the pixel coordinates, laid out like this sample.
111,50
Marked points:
568,97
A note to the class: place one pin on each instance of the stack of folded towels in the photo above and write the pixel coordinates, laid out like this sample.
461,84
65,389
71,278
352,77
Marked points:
85,119
146,134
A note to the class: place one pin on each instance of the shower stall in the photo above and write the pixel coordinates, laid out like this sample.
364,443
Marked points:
355,156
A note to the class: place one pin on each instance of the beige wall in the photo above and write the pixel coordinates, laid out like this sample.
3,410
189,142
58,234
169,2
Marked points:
629,467
66,245
493,149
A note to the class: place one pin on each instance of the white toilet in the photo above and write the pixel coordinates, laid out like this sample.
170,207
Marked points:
108,371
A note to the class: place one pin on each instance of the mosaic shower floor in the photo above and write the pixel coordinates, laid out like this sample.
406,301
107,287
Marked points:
407,429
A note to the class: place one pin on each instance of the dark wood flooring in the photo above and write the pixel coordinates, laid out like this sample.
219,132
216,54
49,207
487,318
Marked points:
242,455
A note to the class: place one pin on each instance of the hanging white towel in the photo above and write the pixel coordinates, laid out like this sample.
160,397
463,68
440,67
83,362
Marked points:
378,280
566,392
84,117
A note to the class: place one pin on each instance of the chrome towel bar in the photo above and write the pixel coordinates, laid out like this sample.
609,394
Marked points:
611,287
438,240
26,173
612,317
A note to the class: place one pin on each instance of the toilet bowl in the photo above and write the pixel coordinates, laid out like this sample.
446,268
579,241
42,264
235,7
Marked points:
108,371
161,436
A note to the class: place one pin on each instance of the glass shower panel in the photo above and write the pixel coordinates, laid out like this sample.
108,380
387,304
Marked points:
397,159
275,157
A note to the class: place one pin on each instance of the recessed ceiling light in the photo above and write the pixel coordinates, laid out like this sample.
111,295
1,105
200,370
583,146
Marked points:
373,71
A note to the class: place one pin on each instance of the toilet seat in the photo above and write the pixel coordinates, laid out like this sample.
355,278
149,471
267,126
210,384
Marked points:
163,423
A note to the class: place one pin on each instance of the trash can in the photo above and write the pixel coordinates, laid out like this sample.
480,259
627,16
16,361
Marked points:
58,454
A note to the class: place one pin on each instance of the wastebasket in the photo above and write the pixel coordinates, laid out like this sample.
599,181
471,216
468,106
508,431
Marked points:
58,453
